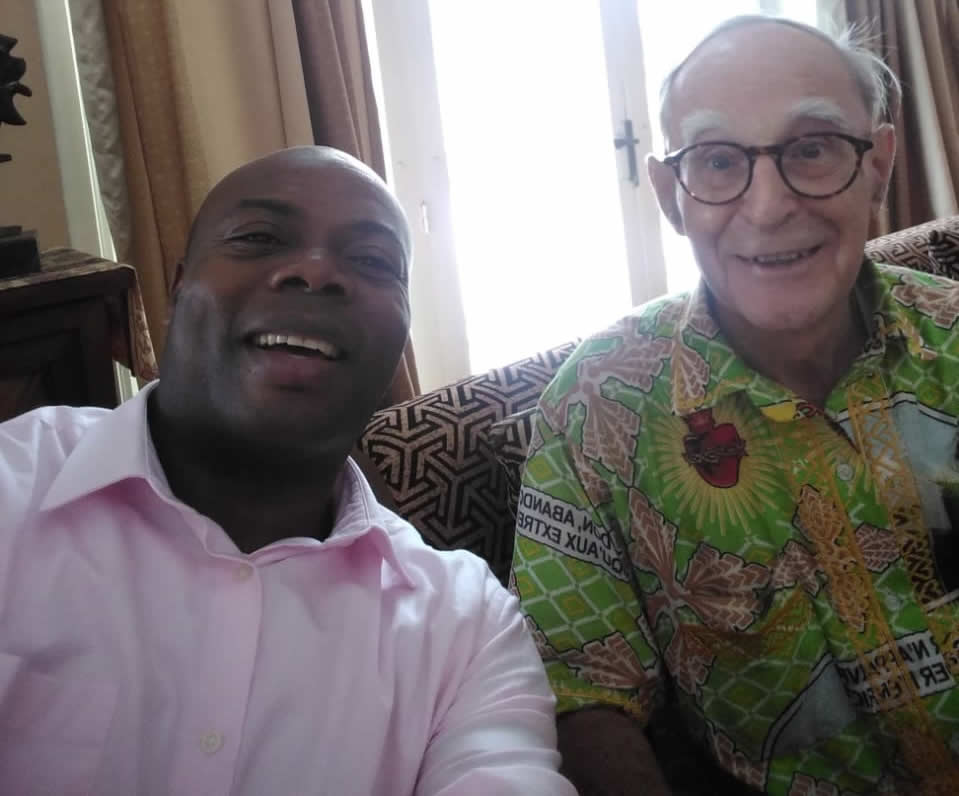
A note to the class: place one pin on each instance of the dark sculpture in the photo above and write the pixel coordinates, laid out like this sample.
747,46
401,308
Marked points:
18,249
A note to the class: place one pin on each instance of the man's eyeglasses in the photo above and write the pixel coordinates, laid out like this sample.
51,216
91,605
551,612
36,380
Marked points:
817,166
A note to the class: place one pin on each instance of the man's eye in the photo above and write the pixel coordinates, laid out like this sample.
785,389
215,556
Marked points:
259,238
810,151
717,159
375,263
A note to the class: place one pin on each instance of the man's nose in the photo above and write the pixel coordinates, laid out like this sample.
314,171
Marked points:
312,271
769,201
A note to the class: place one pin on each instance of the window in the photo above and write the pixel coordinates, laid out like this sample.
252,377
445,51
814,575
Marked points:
537,223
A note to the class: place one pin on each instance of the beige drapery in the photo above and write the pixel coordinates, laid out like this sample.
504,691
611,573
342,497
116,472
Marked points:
192,90
919,39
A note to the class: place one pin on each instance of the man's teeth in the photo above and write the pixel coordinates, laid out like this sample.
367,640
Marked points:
781,258
297,341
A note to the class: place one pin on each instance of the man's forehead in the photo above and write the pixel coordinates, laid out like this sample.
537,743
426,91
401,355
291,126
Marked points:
751,42
301,187
300,181
763,70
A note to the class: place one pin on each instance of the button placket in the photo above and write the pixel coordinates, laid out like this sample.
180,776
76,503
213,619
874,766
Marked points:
215,716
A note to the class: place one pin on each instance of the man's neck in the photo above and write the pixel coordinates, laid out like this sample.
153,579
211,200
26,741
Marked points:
810,364
255,498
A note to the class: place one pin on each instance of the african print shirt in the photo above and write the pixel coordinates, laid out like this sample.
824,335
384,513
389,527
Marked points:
793,571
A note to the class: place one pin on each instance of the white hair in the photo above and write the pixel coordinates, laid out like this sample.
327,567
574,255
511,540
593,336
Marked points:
878,84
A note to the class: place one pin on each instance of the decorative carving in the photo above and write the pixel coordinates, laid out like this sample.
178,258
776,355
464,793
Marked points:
11,70
18,249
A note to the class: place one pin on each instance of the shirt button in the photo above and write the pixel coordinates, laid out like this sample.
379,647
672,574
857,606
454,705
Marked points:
893,603
211,742
243,572
845,471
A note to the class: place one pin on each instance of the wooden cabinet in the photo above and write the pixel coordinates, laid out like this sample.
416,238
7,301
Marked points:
59,333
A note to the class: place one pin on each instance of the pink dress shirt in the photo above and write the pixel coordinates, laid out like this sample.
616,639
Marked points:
142,653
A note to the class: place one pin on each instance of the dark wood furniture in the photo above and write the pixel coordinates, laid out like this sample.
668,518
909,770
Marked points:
58,333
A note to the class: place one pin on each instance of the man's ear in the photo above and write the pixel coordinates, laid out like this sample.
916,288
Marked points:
663,181
878,162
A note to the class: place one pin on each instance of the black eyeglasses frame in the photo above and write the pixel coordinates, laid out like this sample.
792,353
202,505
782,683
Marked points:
775,151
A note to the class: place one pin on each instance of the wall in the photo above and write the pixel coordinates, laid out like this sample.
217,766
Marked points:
31,192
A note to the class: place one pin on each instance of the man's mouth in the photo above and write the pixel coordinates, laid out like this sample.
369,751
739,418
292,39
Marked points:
787,257
300,345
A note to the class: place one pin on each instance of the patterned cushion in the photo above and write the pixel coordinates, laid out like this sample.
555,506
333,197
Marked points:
435,457
911,247
509,440
944,251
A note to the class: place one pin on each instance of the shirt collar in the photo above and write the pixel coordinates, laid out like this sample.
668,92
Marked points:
359,514
118,447
705,369
890,321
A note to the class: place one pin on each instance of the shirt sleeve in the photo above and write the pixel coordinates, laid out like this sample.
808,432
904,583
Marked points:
499,733
575,579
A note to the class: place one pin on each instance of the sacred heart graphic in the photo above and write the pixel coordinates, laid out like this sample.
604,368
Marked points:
715,451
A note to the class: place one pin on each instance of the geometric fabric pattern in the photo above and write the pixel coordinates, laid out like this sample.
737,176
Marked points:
434,455
932,247
944,251
509,440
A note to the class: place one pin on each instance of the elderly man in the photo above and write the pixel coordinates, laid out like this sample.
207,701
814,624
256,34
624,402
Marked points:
198,591
738,505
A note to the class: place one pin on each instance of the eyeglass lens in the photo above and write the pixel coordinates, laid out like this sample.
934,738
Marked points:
813,165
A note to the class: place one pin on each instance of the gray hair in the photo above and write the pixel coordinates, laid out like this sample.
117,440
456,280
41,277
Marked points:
880,88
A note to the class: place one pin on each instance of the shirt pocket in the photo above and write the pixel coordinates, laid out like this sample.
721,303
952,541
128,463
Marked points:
52,730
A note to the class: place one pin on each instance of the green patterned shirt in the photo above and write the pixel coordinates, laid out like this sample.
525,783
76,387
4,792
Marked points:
793,571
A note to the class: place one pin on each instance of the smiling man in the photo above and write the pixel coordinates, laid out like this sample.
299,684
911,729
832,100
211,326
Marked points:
749,490
198,591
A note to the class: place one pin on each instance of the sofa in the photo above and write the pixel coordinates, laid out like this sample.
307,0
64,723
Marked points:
449,461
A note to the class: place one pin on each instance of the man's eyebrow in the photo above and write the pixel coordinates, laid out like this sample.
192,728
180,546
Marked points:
820,109
371,227
698,122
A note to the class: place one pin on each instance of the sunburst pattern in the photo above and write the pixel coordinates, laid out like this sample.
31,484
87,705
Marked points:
695,502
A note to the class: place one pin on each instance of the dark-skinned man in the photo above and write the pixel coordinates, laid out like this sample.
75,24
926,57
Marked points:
198,591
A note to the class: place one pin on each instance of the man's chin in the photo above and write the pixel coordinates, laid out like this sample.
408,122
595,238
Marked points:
285,436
